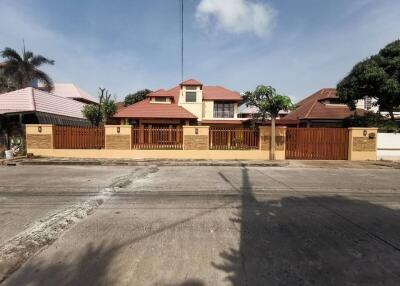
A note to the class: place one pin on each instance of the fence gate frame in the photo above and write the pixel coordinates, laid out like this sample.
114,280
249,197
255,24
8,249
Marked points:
317,143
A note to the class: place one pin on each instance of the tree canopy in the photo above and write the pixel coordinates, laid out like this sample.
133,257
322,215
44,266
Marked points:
20,71
101,112
136,97
376,77
267,101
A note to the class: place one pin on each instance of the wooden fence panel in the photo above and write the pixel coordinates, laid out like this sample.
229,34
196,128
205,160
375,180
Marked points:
73,137
157,138
317,143
234,139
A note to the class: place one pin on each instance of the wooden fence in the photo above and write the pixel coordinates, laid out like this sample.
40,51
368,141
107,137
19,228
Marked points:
157,138
317,143
72,137
234,139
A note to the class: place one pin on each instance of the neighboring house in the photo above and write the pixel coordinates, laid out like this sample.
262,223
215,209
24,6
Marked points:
34,106
190,102
322,109
69,90
252,111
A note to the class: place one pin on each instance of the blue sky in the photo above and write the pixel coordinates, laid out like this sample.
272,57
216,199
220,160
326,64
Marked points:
297,46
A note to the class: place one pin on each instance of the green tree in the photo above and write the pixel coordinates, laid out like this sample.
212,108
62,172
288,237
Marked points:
22,70
101,112
136,97
377,77
269,103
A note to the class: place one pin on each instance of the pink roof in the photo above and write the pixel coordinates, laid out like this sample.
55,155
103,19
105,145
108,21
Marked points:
70,90
31,99
191,82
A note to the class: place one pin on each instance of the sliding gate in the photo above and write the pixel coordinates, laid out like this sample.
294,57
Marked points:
317,143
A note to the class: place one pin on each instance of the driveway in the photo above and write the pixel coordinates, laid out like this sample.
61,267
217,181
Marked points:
232,226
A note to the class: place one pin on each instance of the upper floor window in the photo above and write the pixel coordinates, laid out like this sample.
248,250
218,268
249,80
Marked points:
223,110
367,103
160,99
190,96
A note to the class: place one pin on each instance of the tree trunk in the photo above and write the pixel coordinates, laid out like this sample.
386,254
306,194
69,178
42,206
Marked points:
391,114
273,138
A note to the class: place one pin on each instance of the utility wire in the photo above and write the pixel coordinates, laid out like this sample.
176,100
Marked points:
181,32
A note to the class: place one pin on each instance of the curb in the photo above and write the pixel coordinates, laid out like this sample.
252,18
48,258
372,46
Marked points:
151,162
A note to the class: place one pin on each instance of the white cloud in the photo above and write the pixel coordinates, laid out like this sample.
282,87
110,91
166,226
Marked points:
237,16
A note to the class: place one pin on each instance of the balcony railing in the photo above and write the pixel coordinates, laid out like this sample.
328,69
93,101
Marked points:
224,114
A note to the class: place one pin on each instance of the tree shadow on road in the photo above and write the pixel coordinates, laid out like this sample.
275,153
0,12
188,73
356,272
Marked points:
313,241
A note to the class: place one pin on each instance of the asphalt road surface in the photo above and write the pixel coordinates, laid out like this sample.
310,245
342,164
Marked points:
194,226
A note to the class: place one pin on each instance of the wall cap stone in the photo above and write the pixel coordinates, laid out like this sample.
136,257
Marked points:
200,126
36,125
363,128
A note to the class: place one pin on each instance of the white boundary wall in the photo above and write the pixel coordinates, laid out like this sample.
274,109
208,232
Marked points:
388,146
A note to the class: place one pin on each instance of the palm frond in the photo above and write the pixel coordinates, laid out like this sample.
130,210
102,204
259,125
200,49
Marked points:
44,78
27,55
39,60
11,54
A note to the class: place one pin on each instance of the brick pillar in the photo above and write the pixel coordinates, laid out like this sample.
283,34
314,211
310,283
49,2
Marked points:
39,136
265,141
362,143
196,137
118,137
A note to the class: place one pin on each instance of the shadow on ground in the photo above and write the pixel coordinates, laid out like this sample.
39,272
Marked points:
292,241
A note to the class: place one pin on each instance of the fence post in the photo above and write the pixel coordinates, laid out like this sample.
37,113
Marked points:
196,137
265,141
39,136
118,137
362,144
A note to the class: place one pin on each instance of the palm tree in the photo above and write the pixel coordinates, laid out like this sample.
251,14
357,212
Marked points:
268,102
22,70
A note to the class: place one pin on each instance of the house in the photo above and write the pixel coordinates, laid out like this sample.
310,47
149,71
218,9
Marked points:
321,109
34,106
189,103
71,91
252,111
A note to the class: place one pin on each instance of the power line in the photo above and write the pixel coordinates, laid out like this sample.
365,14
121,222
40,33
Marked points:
181,32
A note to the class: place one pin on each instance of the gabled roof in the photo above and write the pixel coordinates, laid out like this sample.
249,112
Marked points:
30,100
312,107
191,82
70,90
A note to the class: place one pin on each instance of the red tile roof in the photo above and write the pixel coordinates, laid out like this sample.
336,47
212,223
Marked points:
191,82
161,93
220,93
145,109
231,122
312,107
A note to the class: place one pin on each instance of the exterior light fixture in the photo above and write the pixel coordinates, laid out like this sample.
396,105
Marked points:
118,130
365,132
39,129
196,131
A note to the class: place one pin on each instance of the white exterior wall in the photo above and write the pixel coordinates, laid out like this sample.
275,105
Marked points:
388,146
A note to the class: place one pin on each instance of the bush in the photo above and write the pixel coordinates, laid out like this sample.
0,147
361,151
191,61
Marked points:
371,119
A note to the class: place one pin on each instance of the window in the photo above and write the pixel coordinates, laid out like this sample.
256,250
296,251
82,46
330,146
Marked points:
160,99
190,96
223,110
367,103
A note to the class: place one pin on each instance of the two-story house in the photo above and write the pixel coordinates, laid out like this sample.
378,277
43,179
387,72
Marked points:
189,103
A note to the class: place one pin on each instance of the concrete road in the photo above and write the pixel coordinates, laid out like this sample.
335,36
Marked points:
29,193
234,226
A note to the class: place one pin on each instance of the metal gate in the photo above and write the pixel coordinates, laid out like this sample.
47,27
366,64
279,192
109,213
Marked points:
317,143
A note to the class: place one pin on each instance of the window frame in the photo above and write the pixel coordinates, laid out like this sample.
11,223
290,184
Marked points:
191,93
224,109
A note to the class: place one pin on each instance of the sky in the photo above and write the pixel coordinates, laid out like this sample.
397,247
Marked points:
296,46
